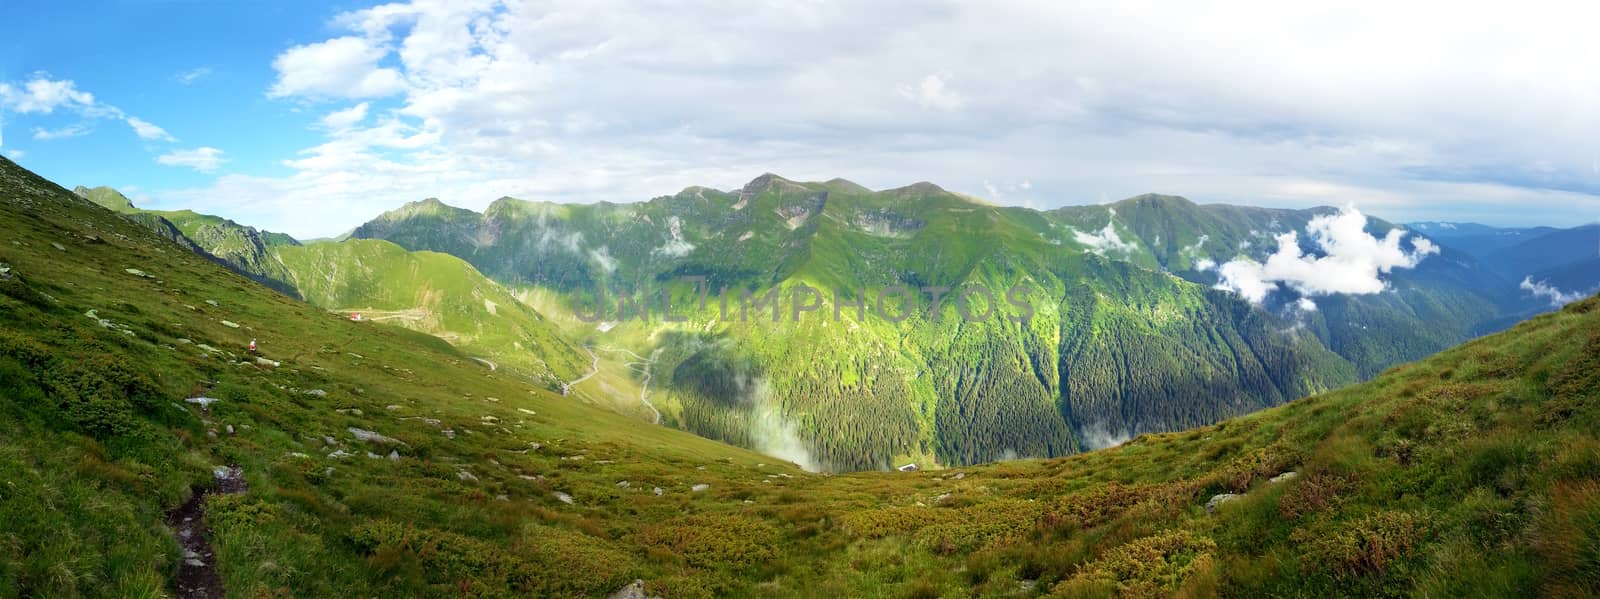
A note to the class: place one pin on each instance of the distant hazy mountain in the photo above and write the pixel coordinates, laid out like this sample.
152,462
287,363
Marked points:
1551,250
1475,239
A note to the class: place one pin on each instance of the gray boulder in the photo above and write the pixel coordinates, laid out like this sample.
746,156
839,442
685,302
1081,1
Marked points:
634,590
1217,500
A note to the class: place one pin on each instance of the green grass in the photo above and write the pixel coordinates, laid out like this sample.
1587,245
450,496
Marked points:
1473,472
1125,340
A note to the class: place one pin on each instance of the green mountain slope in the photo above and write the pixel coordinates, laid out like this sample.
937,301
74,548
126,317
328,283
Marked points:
244,249
436,294
1129,337
430,293
1474,472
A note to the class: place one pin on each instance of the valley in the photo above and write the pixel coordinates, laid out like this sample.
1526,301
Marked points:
1135,320
381,461
701,299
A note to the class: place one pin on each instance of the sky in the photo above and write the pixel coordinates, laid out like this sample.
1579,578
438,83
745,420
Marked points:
311,118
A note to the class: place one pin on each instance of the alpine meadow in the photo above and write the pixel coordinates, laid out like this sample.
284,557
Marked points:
264,331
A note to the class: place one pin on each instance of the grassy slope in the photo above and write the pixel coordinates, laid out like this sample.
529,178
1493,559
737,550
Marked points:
244,249
426,292
1471,473
1095,318
436,294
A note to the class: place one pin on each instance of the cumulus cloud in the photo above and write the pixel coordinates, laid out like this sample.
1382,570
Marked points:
1557,297
1351,261
344,67
577,100
203,159
1107,239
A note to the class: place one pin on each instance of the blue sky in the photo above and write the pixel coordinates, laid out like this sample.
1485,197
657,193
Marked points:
311,118
169,63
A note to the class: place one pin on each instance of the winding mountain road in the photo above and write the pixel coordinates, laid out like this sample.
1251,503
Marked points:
594,368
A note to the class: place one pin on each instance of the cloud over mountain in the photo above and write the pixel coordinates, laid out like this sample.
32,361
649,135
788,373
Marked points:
584,101
1351,261
1556,296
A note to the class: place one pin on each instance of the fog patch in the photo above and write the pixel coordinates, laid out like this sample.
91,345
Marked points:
550,235
775,435
1099,436
602,258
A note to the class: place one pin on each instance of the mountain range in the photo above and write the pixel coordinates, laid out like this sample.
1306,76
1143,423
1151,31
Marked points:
150,451
1134,326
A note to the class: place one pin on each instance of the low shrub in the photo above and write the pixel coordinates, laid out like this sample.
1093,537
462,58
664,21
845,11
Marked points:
1153,566
1366,547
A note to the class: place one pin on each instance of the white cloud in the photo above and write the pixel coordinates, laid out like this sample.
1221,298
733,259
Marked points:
1352,261
16,154
1557,297
345,67
44,95
192,75
203,159
67,132
347,118
146,130
1435,108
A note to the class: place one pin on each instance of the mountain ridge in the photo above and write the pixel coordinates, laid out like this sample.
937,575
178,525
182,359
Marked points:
1473,472
773,231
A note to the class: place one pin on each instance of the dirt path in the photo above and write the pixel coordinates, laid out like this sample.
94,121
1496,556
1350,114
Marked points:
594,368
644,391
197,572
492,366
